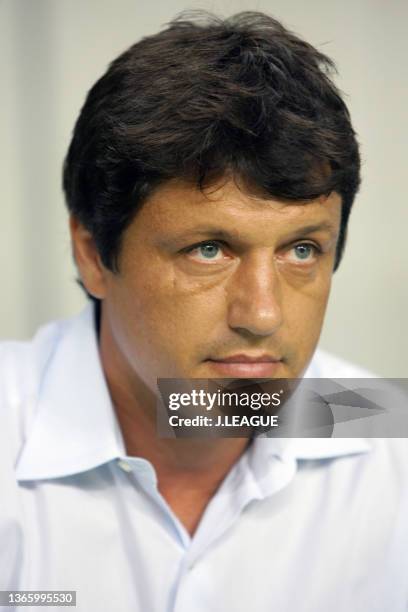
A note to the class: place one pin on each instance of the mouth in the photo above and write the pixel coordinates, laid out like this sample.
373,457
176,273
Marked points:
245,366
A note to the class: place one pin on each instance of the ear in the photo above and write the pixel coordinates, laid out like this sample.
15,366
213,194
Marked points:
87,259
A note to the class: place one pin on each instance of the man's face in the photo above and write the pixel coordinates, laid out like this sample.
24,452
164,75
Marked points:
222,276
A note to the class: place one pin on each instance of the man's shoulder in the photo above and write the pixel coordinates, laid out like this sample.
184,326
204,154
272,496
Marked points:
17,355
22,366
327,365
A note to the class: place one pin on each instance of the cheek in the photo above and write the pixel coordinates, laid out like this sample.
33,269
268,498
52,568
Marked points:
304,314
168,316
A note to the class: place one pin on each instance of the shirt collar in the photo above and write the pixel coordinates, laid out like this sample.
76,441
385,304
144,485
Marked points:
76,429
312,448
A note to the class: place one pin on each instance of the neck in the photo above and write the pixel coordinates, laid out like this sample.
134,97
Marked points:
189,471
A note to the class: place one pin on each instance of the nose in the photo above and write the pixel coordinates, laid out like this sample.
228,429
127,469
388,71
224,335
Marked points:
254,299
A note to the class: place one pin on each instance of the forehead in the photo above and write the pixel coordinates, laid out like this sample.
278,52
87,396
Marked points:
178,206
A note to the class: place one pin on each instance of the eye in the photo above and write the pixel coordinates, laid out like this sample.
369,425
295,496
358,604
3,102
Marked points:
304,252
206,252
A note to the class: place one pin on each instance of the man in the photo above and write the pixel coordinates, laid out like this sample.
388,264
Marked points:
209,181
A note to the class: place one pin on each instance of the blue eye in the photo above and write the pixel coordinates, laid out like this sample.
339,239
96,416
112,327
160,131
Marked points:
206,252
303,251
209,250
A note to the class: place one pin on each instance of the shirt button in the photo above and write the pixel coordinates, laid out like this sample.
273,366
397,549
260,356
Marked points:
124,465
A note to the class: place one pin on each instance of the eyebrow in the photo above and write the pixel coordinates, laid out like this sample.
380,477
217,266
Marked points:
309,229
229,235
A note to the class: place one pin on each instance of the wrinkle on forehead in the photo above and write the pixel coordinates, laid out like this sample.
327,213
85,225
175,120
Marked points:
178,202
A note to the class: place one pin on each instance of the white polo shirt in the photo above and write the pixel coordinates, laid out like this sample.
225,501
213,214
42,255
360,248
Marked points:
302,525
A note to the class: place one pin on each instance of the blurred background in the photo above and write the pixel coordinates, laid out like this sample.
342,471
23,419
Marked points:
52,51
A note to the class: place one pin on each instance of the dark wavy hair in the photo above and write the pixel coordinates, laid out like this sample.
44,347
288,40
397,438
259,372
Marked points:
202,99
